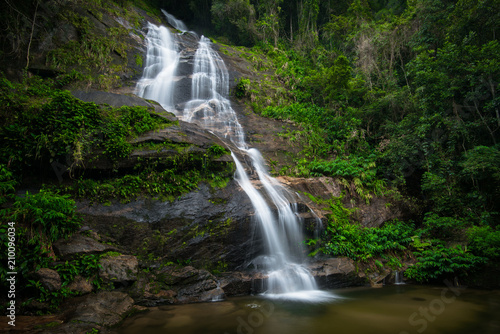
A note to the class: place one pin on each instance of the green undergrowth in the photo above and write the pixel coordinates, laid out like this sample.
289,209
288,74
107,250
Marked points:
162,179
427,253
86,266
47,129
33,222
45,125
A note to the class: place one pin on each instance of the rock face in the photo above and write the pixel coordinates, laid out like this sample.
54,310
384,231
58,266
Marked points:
373,214
121,269
211,228
49,278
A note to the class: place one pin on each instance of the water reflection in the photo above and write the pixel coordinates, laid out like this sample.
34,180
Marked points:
395,309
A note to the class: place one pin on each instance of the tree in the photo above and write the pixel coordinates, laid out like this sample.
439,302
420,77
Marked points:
236,19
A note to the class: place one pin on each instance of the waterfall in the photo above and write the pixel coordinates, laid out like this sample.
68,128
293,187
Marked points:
398,277
210,108
177,24
158,79
209,105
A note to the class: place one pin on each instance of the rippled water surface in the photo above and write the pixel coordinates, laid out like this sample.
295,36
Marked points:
392,309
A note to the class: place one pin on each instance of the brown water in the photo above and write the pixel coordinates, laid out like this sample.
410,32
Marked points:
403,309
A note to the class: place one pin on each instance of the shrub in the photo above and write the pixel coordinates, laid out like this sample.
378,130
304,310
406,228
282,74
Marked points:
441,261
47,216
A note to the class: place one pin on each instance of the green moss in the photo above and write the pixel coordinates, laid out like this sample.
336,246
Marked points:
217,201
138,60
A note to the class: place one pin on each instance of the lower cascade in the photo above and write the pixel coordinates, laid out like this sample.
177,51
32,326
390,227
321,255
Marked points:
210,107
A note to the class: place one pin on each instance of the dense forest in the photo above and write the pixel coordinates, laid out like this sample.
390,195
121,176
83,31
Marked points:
392,98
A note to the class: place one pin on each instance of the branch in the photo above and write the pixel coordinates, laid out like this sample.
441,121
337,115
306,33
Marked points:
31,36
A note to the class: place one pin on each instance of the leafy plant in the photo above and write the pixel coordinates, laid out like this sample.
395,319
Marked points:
7,184
242,88
47,217
441,261
484,241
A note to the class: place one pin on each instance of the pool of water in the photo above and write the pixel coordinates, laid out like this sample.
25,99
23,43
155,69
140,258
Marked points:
402,309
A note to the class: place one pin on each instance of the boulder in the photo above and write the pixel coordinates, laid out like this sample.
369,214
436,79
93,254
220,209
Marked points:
335,273
49,279
120,269
80,285
106,308
174,285
92,312
79,245
192,285
147,291
242,283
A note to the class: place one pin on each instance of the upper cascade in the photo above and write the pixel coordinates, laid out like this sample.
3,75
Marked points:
157,82
177,24
210,107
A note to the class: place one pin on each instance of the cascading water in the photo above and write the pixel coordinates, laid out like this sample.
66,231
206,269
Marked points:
398,278
157,82
209,107
177,24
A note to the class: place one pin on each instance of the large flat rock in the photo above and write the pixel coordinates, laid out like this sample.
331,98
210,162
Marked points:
79,245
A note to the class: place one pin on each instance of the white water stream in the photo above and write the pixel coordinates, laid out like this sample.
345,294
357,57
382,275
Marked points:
210,107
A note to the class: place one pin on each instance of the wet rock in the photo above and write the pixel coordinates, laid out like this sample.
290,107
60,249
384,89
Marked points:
335,273
120,269
80,285
78,245
242,283
209,227
184,133
191,285
173,285
49,278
